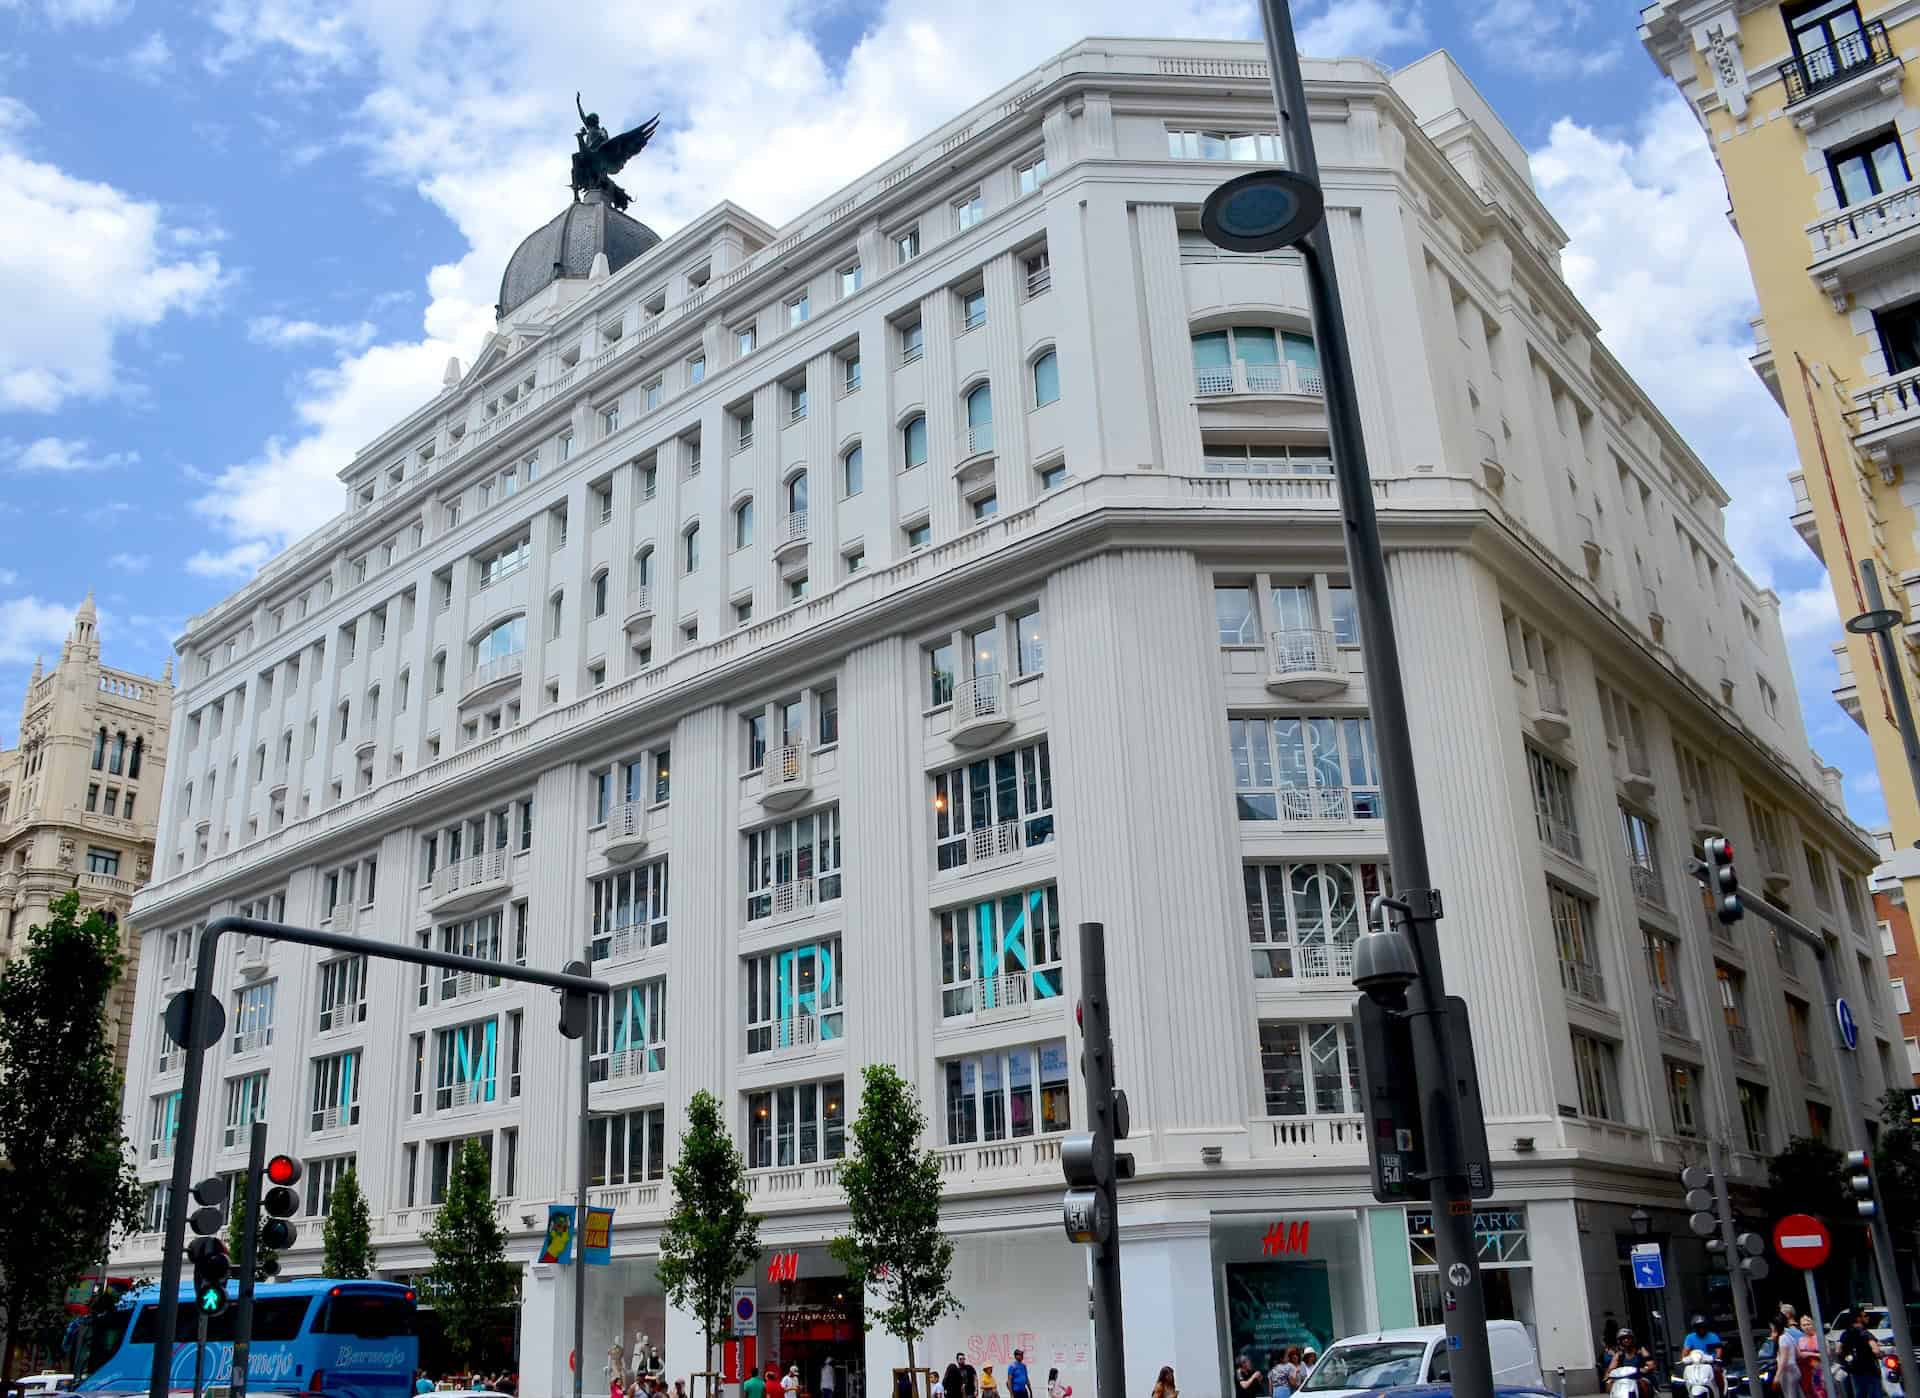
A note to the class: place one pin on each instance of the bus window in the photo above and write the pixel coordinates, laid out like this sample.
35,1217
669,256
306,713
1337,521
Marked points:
101,1337
277,1318
369,1316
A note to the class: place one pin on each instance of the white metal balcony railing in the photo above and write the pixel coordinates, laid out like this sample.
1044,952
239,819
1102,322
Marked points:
976,440
1548,694
1559,835
982,697
1242,377
1003,996
1670,1014
989,845
1741,1038
797,1033
1326,805
793,529
1858,224
785,767
1583,982
500,668
1320,961
626,820
629,1062
1303,652
252,1041
470,1094
487,868
625,943
1647,886
457,985
331,1118
781,899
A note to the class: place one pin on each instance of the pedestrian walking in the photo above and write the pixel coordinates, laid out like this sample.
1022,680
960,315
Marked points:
1056,1389
1018,1385
1163,1387
826,1378
1860,1357
953,1383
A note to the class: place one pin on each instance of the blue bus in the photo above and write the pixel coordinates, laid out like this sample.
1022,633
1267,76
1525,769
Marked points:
344,1339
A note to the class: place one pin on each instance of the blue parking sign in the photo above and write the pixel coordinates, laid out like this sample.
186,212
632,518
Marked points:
1649,1269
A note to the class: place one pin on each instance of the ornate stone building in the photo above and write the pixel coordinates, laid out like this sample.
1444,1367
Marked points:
80,795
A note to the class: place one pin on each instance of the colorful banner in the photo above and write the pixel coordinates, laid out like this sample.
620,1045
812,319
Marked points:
558,1247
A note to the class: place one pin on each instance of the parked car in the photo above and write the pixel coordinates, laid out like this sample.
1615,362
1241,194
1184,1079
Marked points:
1418,1357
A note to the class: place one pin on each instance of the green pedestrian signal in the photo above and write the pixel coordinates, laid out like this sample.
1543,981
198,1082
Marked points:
210,1298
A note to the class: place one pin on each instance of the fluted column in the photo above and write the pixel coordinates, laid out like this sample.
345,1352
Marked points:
885,836
823,471
1176,421
1148,842
1006,365
704,894
550,1064
943,414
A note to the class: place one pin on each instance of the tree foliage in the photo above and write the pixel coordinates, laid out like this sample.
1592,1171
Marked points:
895,1246
710,1238
236,1235
346,1240
69,1182
470,1278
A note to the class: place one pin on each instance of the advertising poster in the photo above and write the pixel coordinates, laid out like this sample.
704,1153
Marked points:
1271,1305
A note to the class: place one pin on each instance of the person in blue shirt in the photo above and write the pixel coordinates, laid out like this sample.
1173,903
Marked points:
1701,1338
1017,1384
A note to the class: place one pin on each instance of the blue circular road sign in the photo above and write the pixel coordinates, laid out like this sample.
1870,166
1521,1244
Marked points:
1849,1031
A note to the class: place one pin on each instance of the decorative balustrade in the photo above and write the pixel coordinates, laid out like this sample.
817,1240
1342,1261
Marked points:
1892,212
1559,835
1241,377
1821,67
1583,981
494,671
1321,961
1670,1014
1647,886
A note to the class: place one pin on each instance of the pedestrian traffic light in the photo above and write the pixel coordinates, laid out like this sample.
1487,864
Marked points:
211,1268
1723,880
1088,1159
280,1203
1860,1183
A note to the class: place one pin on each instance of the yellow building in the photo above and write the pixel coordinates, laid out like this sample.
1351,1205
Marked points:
1816,125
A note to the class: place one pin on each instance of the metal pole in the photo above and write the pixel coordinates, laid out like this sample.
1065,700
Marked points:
249,1259
1820,1324
1465,1311
580,1222
1736,1274
199,1351
1109,1354
1896,681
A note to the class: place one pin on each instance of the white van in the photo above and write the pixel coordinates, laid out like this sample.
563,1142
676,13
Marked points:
1401,1358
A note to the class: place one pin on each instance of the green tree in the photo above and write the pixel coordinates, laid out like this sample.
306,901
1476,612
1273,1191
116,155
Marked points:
70,1180
471,1280
710,1238
237,1230
1807,1177
894,1245
346,1240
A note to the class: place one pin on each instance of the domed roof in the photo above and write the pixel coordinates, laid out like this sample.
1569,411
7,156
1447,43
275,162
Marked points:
565,247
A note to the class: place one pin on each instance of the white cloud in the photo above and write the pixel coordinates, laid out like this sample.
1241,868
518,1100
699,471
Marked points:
130,562
30,627
151,57
82,264
63,454
279,333
240,561
63,12
8,577
1367,28
1541,38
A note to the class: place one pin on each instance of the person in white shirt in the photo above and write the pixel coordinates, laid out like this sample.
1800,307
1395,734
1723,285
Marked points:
826,1379
790,1385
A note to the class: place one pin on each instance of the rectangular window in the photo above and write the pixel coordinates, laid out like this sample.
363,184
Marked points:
466,1065
919,535
163,1125
246,1104
629,912
968,211
253,1017
744,339
629,1034
322,1178
336,1092
1309,1069
343,993
850,279
800,1124
1236,619
1596,1069
798,311
992,808
1576,944
1554,815
662,777
697,369
1867,169
1681,1102
1305,769
1032,175
1007,1093
103,861
526,824
1000,954
627,1147
795,997
906,245
476,936
1263,146
793,865
1304,917
442,1158
826,704
652,392
1898,987
1753,1116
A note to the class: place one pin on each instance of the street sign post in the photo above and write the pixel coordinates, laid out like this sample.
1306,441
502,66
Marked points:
1649,1267
1849,1030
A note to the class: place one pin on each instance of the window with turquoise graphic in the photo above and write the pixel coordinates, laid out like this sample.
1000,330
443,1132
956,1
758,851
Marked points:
1006,1094
466,1061
993,808
1000,956
795,998
1305,769
246,1104
629,1033
163,1118
335,1103
474,936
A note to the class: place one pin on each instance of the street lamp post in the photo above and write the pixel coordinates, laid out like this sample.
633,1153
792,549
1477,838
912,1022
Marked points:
1277,208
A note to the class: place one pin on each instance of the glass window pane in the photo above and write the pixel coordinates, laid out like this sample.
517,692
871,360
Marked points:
1234,616
1210,350
1255,344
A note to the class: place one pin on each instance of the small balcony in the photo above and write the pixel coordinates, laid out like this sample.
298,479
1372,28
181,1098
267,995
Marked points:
790,538
800,1183
1560,836
626,831
469,882
1853,244
253,1041
1828,73
980,710
786,777
994,847
1774,870
1886,414
628,942
1632,768
335,1118
494,678
1803,521
1267,380
994,999
1039,1156
640,611
1549,714
1323,961
630,1198
460,985
1307,807
108,885
1740,1038
630,1065
1305,665
1647,884
251,960
1583,982
794,1037
1670,1014
779,901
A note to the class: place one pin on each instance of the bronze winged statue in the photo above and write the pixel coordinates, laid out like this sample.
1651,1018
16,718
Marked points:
601,157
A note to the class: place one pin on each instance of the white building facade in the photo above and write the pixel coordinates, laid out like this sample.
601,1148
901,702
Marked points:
811,625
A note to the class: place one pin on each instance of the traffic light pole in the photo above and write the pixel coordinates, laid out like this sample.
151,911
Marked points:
1892,1294
1109,1354
199,1351
249,1253
1736,1275
168,1304
1465,1308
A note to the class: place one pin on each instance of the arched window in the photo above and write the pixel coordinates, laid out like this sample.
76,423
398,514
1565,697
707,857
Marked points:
504,638
1272,361
119,758
1046,379
99,749
133,762
914,438
693,547
853,470
742,526
980,419
600,593
643,567
373,705
797,494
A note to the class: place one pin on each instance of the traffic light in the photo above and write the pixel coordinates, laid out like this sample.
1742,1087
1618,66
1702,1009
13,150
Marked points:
1860,1183
1708,1221
280,1203
1091,1164
211,1265
1723,880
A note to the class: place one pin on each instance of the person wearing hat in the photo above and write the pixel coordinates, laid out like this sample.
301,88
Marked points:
989,1386
1629,1352
1309,1357
1701,1337
790,1385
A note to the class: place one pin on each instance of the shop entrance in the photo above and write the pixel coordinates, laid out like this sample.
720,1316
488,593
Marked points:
813,1322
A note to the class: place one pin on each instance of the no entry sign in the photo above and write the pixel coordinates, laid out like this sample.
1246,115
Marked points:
1802,1241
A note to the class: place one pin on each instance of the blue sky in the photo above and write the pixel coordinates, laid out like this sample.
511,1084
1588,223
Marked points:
240,237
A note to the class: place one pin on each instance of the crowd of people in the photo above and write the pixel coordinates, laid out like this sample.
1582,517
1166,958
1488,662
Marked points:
1792,1356
503,1383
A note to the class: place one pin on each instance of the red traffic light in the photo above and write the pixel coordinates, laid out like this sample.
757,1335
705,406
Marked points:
283,1170
1720,850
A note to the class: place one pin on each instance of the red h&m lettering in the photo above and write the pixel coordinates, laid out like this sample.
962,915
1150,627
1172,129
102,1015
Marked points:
1286,1237
783,1267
